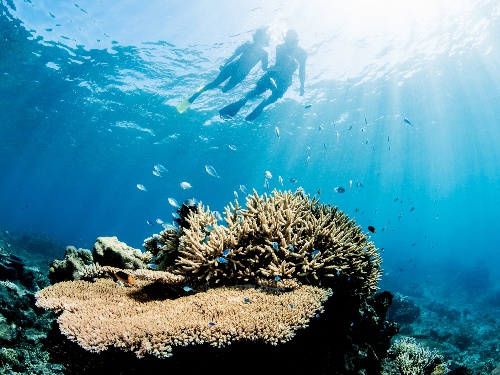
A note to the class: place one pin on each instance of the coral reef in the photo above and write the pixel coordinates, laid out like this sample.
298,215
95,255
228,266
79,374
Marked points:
111,252
412,359
68,269
283,263
279,237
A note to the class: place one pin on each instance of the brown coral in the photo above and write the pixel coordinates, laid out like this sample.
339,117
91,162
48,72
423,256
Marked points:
278,237
102,314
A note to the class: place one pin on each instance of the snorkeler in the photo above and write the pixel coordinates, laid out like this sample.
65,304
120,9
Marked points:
237,67
289,57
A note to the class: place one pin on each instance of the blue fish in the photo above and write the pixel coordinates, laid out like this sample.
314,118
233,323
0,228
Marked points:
150,223
291,306
225,252
277,278
211,323
221,260
314,253
407,121
291,247
247,300
209,228
275,245
187,289
205,240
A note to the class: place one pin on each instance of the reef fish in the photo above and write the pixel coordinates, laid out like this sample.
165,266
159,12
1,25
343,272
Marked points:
141,187
268,175
150,223
243,189
211,171
406,120
339,189
371,228
221,260
156,173
266,183
185,185
280,180
277,131
173,202
217,216
232,147
160,168
190,202
315,253
187,288
293,180
123,277
159,221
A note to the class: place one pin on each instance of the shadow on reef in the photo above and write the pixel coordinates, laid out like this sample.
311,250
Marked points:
333,343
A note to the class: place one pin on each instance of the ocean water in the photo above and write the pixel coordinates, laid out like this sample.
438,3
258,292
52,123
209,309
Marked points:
87,107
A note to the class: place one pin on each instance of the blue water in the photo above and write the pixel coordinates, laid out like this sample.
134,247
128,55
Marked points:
87,108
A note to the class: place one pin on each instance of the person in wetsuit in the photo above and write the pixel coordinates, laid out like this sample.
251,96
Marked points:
289,57
237,67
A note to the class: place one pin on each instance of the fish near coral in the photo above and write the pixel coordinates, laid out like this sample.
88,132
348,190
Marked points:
124,278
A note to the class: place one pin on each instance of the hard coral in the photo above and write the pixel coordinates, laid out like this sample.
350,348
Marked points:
284,236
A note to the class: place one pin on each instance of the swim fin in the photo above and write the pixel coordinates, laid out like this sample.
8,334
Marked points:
183,106
232,109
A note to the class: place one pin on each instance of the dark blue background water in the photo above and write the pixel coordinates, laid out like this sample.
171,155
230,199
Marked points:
87,108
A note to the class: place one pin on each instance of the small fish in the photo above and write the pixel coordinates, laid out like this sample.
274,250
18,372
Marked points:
277,278
362,129
359,185
232,147
337,134
319,191
350,127
266,183
156,173
388,138
235,194
293,180
407,121
190,202
291,247
273,82
268,175
307,159
217,216
160,168
291,305
320,128
371,229
366,142
211,171
396,199
221,260
247,300
173,202
211,323
308,106
160,221
185,185
141,187
315,253
339,189
308,149
168,226
280,180
366,122
225,252
350,185
176,215
205,240
209,228
275,245
243,189
125,278
412,208
150,223
277,131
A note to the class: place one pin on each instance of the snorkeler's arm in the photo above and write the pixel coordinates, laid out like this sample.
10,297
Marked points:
265,61
302,70
236,53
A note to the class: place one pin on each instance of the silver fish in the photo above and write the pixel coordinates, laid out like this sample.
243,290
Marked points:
185,185
160,221
232,147
141,187
277,131
211,171
268,175
266,183
235,194
243,189
280,180
156,173
173,202
160,168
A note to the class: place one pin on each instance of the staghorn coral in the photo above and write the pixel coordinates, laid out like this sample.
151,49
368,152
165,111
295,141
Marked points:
278,237
102,314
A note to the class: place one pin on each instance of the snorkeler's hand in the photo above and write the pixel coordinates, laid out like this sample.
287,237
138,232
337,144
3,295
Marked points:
301,93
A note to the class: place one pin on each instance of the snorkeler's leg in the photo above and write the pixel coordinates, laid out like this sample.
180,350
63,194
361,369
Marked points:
232,109
223,75
258,110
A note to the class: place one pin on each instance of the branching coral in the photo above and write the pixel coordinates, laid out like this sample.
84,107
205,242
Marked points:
278,237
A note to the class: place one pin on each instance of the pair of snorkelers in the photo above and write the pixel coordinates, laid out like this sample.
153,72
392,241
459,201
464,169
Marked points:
277,78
